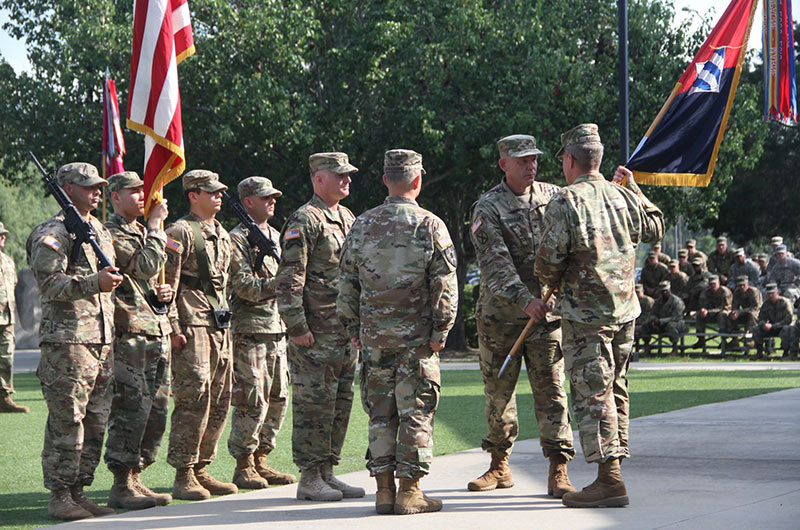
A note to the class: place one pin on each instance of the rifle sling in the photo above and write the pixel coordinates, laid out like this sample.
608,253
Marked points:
203,267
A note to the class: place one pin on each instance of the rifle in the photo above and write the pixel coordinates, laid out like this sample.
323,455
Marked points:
259,242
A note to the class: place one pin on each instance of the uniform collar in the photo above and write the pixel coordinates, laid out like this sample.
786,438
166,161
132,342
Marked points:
396,199
595,175
330,215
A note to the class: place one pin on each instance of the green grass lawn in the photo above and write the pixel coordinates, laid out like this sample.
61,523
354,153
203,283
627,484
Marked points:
460,425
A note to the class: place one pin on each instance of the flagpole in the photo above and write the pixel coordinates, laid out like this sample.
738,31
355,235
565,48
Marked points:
622,8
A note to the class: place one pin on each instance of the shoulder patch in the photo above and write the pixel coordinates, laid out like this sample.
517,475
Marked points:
477,224
174,246
444,242
294,233
52,242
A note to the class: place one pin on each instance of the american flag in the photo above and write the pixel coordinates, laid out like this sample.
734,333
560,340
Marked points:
162,38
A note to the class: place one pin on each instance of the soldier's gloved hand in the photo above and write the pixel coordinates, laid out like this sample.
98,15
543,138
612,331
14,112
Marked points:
306,339
109,279
537,309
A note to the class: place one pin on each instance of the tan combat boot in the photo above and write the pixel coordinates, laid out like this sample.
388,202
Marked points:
271,475
214,486
608,490
387,490
7,405
186,486
312,488
124,495
410,499
80,498
348,491
245,475
557,480
497,476
64,508
162,499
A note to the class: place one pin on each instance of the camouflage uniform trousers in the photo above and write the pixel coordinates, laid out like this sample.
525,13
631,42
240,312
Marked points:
76,384
202,374
141,400
545,366
747,321
323,377
260,392
671,330
714,315
7,345
400,389
787,335
597,360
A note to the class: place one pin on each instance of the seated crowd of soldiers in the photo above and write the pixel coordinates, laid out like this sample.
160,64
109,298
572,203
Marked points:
754,298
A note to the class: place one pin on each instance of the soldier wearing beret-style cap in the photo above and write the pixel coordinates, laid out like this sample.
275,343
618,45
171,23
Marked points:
507,228
594,270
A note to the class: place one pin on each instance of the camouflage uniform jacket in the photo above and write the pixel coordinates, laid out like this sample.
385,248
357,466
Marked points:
748,301
308,276
778,313
191,307
398,284
140,255
664,259
669,310
589,248
686,268
700,253
749,269
506,233
773,259
719,299
699,280
653,274
8,281
73,308
646,303
679,283
786,274
721,263
252,294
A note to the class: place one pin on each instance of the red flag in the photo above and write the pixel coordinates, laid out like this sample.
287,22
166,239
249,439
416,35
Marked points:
780,90
162,38
113,142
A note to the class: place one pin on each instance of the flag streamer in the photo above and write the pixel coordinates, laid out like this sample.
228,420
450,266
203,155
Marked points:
780,89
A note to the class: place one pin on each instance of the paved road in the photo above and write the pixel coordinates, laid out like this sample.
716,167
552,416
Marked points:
727,466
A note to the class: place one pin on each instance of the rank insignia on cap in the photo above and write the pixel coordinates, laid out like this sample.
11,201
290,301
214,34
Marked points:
294,233
444,242
476,225
52,242
174,246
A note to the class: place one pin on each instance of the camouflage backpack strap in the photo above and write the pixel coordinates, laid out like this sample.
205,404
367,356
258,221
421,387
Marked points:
221,313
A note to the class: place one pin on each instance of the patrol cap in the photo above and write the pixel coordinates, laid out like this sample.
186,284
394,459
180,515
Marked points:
741,280
580,134
776,240
697,260
202,179
771,287
336,162
761,257
664,285
683,252
3,229
657,244
691,243
517,145
401,162
79,173
740,251
721,240
126,179
781,248
257,187
713,278
674,263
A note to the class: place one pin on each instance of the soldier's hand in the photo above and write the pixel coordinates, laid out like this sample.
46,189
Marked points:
164,292
623,176
306,339
703,311
536,309
158,213
356,343
178,340
109,279
436,346
767,326
734,315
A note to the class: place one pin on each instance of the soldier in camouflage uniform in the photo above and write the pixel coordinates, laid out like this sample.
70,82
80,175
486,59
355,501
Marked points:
719,262
141,345
666,317
692,252
775,242
653,273
201,353
743,267
8,280
592,261
745,307
762,260
684,264
646,303
663,258
507,225
398,297
321,363
774,320
785,272
713,306
260,367
698,281
76,336
678,281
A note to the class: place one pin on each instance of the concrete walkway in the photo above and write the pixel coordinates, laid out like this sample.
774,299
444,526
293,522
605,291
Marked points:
728,466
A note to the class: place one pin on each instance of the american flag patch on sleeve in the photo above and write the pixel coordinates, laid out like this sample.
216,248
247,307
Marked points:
51,242
476,225
294,233
444,242
174,246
